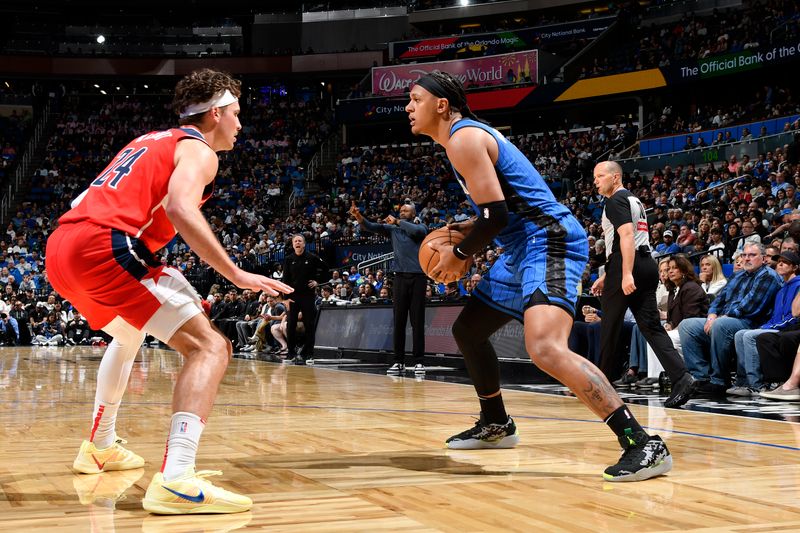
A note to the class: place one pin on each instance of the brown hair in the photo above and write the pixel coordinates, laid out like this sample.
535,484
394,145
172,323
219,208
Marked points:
686,269
201,86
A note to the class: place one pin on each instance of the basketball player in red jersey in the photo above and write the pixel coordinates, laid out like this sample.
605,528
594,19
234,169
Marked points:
101,259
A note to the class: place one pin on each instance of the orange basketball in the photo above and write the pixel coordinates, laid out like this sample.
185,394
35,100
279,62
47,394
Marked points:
429,258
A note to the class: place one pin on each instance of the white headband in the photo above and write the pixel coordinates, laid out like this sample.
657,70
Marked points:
221,100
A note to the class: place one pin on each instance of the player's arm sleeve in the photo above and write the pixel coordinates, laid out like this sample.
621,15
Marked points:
493,218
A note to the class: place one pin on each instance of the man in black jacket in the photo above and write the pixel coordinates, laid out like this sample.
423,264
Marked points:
303,271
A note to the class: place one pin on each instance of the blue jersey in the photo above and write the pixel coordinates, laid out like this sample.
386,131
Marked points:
544,247
527,196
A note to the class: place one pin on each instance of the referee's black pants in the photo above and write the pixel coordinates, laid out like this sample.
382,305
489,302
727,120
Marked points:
408,294
642,303
304,303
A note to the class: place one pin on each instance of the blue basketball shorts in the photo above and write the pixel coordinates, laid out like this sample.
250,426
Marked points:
540,265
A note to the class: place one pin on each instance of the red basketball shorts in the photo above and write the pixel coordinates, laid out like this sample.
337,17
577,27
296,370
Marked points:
107,274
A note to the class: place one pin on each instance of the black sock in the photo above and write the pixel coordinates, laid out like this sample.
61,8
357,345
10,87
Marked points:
493,409
623,423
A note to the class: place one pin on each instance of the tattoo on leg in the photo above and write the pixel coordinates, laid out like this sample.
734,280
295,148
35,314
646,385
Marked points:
599,390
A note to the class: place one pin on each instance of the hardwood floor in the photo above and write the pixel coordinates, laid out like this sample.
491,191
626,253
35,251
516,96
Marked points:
327,450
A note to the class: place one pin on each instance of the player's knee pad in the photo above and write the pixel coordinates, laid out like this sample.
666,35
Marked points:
124,334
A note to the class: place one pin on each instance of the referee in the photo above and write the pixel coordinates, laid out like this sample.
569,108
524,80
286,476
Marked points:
302,271
630,281
408,288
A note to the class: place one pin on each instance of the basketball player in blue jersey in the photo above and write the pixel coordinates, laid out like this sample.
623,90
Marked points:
535,280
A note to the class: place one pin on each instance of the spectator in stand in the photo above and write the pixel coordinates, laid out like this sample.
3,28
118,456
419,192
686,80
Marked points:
745,301
772,254
711,278
246,327
789,245
278,273
686,300
668,246
9,330
77,330
336,279
748,236
50,332
749,381
272,315
328,297
732,239
685,239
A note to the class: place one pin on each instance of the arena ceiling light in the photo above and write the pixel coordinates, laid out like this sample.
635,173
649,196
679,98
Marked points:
464,2
101,39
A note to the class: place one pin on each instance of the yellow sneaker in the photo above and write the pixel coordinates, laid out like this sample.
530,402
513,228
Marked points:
190,494
107,490
90,460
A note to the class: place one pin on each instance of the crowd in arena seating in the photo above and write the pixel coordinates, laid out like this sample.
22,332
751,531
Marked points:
13,132
766,102
760,25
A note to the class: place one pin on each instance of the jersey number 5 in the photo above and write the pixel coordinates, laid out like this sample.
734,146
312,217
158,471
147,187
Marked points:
119,170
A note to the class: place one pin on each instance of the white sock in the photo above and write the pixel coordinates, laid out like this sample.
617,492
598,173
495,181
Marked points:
112,380
184,437
103,428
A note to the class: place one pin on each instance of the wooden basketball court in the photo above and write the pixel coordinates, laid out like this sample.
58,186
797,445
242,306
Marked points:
327,450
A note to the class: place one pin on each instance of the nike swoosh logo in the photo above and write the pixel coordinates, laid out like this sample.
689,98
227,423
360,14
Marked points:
101,465
196,499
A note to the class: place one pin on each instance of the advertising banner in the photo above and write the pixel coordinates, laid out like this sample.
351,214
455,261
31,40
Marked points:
370,327
393,109
489,71
723,65
463,46
354,254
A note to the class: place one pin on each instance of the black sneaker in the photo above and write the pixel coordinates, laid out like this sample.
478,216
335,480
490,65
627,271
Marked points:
626,380
682,391
298,360
483,435
642,457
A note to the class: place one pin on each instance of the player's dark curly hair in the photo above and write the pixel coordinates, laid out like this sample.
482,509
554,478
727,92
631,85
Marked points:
200,86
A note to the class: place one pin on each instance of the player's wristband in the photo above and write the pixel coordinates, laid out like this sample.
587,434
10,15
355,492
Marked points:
458,253
493,218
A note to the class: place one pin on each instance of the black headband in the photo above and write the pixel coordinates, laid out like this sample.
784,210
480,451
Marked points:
433,86
437,88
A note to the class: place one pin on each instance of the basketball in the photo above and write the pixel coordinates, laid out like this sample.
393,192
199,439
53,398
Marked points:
429,258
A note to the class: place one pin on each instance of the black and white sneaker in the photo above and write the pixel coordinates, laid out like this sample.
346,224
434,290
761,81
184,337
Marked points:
483,435
397,368
642,457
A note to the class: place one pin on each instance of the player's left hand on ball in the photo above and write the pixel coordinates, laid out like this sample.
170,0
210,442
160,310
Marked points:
449,267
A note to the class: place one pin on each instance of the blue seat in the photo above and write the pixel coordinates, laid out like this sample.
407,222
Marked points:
727,270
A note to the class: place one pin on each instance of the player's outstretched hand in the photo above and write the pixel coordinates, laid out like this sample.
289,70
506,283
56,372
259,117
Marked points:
257,283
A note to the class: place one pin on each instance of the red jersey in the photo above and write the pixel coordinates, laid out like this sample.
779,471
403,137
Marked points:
130,194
